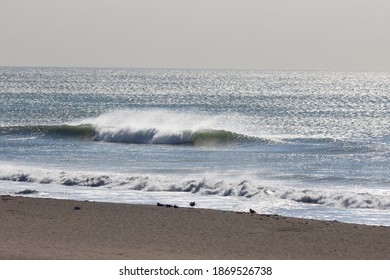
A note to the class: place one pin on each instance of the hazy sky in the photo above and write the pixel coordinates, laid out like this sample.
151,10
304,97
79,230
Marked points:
249,34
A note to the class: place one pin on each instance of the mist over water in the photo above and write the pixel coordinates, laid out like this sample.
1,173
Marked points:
310,144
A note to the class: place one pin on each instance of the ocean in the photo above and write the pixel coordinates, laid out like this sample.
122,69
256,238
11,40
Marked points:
294,143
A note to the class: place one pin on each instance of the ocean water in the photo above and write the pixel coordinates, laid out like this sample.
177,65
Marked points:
303,144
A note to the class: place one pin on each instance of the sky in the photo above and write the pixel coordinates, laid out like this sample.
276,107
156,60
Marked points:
336,35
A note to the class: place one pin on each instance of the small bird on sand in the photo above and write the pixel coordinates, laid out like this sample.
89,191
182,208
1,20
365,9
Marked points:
175,206
76,208
159,204
252,211
192,204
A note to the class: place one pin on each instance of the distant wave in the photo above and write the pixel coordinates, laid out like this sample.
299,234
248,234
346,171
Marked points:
196,137
206,186
135,136
187,128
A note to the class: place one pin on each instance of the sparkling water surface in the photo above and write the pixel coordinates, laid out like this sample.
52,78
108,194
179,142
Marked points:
307,144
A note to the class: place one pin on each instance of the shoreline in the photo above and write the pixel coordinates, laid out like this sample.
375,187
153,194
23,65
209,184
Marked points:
45,228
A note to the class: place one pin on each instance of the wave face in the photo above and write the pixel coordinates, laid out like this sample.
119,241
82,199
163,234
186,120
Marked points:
204,137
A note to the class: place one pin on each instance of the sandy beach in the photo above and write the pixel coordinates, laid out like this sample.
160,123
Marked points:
37,228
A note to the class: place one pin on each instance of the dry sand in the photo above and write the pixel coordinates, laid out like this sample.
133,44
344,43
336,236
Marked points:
36,228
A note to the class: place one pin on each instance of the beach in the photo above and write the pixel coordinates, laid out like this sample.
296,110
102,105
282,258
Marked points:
40,228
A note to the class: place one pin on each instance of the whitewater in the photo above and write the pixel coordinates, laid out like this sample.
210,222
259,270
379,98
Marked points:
302,144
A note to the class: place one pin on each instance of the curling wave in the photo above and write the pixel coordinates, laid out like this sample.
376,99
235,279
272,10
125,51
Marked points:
134,135
150,127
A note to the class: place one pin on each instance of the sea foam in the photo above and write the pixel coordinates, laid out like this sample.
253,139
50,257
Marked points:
208,185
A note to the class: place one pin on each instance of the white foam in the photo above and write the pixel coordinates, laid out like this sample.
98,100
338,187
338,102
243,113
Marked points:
207,184
163,119
161,126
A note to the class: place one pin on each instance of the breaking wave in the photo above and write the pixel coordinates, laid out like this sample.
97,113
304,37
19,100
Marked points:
135,136
144,127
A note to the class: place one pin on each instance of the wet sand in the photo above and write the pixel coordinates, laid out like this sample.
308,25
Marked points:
37,228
